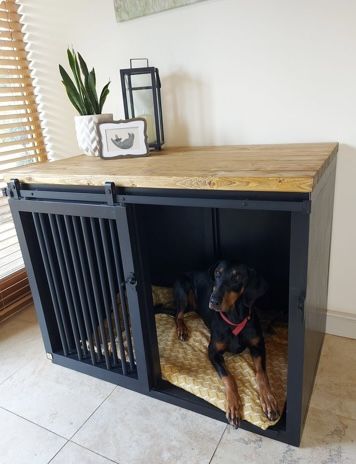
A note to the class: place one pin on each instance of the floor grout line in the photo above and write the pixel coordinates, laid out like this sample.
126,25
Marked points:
60,449
13,373
217,446
32,422
95,452
86,420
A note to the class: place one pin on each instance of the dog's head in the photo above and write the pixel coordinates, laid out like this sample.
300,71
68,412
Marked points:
229,283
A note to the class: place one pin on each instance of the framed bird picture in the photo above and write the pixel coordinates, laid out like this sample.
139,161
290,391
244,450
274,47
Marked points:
124,138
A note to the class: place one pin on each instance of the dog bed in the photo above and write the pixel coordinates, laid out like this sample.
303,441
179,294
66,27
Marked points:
186,364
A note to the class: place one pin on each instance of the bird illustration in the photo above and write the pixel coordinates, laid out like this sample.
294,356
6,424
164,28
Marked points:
124,144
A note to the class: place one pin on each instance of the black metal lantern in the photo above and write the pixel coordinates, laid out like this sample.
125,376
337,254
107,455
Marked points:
141,93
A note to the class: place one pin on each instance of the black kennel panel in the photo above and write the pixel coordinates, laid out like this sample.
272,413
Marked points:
85,284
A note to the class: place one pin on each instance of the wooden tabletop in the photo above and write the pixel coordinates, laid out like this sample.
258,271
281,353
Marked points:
273,168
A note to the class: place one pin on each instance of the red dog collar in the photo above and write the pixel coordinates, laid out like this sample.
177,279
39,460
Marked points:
238,328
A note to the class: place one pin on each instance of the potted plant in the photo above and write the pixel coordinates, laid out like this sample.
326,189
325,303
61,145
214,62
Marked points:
83,96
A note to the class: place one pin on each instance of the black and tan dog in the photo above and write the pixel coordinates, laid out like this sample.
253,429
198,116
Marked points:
225,299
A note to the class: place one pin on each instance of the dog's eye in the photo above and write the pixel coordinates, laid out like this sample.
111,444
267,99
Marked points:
217,274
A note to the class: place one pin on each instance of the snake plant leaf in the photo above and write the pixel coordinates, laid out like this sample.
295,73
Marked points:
72,92
82,90
74,101
103,95
83,65
92,91
74,65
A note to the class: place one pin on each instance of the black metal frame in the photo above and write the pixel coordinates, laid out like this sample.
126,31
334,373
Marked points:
119,205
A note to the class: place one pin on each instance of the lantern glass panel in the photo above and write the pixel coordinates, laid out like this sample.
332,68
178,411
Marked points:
140,102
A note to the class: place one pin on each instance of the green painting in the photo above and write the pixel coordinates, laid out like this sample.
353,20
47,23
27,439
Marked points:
130,9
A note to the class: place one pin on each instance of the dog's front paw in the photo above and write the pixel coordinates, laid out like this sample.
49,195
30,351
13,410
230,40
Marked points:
182,330
233,410
269,404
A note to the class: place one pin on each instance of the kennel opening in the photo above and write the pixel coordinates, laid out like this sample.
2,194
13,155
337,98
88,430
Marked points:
184,238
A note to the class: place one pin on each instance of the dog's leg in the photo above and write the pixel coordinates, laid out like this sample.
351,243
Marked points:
181,294
267,398
233,403
182,330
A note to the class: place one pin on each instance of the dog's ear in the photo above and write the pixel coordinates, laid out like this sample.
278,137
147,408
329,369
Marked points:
256,287
211,270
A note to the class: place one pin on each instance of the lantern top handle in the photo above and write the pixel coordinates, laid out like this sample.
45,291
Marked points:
138,59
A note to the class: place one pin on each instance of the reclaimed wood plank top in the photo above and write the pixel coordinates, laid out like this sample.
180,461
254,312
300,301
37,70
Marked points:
270,168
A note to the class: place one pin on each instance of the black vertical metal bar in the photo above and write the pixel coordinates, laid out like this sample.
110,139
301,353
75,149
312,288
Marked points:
122,293
160,107
155,109
72,281
79,279
216,233
49,270
87,284
64,276
110,274
299,242
95,289
131,96
57,284
104,289
124,93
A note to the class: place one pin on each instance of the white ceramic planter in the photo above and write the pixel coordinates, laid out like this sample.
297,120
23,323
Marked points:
88,135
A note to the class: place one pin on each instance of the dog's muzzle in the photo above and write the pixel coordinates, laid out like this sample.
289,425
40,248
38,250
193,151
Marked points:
214,303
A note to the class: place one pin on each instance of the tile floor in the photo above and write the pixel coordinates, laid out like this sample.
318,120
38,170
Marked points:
52,414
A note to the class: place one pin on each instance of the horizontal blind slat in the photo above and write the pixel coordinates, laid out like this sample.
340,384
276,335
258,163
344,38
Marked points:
9,5
17,98
8,154
26,89
10,135
15,72
6,117
12,16
11,35
35,158
14,53
15,80
15,108
12,44
19,124
13,62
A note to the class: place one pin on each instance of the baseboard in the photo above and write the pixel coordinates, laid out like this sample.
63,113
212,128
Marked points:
341,324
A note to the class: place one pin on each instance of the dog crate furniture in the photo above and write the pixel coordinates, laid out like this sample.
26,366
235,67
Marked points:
95,232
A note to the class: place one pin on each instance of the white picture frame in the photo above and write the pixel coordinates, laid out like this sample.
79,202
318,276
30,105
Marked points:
124,138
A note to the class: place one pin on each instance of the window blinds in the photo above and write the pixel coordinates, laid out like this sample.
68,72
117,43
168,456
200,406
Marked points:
21,142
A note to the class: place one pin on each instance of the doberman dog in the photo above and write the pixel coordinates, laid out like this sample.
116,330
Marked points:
225,297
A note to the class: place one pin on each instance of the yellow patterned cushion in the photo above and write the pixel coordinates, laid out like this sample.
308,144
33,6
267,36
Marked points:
186,365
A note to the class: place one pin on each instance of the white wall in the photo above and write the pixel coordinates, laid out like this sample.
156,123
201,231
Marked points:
232,71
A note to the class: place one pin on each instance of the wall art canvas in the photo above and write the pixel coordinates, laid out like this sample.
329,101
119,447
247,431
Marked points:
130,9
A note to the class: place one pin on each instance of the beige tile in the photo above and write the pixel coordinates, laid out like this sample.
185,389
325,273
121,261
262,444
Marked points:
20,342
326,439
25,443
52,396
75,454
335,387
131,429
